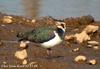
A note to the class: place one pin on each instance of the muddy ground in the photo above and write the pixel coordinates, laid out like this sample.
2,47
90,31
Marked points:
63,54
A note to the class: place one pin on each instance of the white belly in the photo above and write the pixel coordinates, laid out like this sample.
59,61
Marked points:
55,41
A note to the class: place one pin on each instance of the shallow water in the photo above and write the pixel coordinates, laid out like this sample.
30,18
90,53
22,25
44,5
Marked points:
55,8
11,7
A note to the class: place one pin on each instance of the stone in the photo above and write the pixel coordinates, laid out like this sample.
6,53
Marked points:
33,20
21,54
89,46
80,58
81,37
96,47
7,19
91,28
24,62
76,49
69,37
3,25
92,62
4,62
93,43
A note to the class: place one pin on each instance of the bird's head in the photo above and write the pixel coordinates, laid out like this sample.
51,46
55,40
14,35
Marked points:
61,25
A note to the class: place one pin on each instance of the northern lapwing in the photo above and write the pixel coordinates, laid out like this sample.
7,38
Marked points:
47,37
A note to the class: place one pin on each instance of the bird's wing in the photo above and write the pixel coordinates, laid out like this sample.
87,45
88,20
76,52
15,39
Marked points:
41,34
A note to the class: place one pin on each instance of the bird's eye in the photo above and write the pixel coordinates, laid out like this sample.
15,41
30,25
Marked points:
62,25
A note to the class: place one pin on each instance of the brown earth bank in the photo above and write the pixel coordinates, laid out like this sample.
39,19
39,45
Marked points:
63,56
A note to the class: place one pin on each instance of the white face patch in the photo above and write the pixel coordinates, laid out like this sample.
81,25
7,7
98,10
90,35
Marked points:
59,25
55,41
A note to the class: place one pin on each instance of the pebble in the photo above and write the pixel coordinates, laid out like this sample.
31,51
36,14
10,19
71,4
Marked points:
4,62
92,62
3,25
12,31
81,37
21,54
76,49
33,21
69,37
24,62
96,47
7,19
91,28
89,46
93,42
80,58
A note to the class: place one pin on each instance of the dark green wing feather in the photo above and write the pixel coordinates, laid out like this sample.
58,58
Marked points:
39,35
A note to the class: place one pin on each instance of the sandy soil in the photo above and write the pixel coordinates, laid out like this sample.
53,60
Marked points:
63,54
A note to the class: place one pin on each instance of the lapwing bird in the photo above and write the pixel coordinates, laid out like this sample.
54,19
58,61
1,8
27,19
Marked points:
47,37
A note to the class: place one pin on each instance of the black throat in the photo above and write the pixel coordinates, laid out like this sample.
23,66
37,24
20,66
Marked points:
60,32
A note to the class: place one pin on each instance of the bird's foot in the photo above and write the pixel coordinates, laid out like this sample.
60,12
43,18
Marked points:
49,53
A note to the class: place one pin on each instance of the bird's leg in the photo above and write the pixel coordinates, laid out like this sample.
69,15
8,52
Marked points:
49,51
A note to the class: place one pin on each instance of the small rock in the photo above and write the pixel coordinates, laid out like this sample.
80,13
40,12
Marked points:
69,37
4,62
33,20
89,46
92,62
83,36
80,58
21,54
7,19
93,42
96,47
3,25
91,29
12,31
76,49
24,61
27,42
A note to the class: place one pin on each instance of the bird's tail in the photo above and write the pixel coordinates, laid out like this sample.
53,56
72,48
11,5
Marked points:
20,35
24,35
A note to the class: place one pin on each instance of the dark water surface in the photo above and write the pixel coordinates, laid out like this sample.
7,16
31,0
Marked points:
55,8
